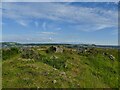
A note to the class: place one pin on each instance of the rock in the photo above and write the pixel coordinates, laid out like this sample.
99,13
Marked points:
45,73
112,57
55,57
105,53
54,69
78,84
81,50
56,49
54,81
62,73
66,65
25,79
86,50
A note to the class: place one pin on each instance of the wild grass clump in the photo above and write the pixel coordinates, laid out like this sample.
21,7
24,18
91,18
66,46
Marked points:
54,62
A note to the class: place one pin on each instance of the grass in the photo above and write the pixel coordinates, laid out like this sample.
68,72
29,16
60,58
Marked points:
69,69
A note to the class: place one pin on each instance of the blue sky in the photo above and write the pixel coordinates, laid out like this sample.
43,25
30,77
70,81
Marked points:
81,22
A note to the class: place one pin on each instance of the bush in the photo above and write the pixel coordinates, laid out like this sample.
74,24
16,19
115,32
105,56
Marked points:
9,53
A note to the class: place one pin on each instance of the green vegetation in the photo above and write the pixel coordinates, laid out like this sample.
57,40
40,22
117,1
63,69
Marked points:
9,53
38,67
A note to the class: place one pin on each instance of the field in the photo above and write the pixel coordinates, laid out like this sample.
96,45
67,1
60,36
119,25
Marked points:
45,67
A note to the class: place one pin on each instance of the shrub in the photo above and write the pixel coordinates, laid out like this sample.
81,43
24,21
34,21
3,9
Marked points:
9,53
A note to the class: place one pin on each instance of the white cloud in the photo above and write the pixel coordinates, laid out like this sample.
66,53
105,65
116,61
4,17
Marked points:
60,0
93,18
27,39
48,33
50,39
23,23
44,25
116,2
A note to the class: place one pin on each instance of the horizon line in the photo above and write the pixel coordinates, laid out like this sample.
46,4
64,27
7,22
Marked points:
58,43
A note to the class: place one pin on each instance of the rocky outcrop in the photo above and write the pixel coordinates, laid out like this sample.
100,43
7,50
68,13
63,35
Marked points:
56,49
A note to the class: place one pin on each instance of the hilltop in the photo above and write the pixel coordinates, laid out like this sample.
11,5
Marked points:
60,66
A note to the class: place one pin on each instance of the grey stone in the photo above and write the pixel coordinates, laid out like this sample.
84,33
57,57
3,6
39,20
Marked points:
112,57
54,81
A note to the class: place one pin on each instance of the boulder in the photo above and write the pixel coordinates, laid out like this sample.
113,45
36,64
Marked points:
56,49
112,57
63,74
105,54
54,81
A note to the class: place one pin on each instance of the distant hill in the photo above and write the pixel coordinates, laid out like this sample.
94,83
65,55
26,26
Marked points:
12,44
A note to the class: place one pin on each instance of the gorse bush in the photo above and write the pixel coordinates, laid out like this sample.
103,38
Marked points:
9,53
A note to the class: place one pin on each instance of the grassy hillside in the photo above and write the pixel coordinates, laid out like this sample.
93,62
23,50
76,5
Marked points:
39,67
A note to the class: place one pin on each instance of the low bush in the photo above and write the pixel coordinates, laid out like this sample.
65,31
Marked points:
9,53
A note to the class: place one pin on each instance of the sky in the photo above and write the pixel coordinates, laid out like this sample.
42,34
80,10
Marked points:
60,22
